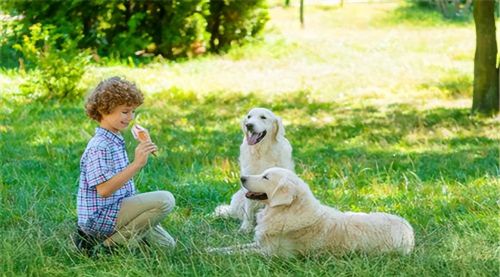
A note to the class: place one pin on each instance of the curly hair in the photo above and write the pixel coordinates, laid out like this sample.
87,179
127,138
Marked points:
110,94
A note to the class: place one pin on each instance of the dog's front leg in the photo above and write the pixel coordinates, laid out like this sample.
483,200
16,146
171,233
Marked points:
248,223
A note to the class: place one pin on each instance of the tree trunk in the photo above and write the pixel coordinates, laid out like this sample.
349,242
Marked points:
216,9
302,13
486,84
443,7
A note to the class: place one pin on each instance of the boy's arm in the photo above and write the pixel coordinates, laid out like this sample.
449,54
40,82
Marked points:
107,188
142,152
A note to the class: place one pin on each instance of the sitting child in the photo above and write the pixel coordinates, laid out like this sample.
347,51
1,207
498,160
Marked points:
109,210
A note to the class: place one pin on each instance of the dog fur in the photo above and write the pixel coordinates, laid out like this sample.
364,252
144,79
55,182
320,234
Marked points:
294,222
272,150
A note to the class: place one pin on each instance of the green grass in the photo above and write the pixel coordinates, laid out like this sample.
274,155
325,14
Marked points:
377,113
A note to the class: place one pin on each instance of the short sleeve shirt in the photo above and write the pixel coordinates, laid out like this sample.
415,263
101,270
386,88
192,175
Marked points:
104,157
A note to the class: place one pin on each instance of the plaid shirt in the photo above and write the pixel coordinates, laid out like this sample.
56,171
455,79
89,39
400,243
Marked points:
104,157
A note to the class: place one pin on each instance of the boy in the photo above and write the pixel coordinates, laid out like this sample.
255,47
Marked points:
109,210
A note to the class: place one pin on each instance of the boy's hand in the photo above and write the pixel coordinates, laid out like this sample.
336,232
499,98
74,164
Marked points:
141,134
142,152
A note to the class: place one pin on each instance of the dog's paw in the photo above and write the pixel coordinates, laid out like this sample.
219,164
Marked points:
223,211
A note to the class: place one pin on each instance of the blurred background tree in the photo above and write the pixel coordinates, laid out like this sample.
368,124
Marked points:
171,28
58,69
454,8
54,38
121,29
234,21
486,71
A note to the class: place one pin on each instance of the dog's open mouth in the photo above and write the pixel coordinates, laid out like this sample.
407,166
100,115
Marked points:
256,195
254,138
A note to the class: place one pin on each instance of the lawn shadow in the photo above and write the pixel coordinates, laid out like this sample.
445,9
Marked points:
421,14
199,140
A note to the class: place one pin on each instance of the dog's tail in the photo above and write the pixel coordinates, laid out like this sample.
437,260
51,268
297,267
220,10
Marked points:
223,211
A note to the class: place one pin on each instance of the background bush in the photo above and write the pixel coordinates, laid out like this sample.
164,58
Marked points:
122,28
9,35
456,9
56,71
234,21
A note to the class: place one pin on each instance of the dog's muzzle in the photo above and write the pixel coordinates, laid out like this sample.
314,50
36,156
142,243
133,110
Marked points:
256,195
254,138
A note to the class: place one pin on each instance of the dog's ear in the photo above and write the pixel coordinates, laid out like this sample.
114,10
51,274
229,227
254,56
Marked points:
279,129
283,194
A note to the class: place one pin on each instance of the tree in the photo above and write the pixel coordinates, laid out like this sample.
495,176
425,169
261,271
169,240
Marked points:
486,73
232,22
302,13
453,8
124,28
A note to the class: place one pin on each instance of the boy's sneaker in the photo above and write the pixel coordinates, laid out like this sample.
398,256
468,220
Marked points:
83,241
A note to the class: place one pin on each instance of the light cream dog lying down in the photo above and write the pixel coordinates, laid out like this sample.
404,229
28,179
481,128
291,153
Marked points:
294,222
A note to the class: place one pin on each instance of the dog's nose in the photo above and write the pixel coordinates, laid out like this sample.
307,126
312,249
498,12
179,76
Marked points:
249,126
243,180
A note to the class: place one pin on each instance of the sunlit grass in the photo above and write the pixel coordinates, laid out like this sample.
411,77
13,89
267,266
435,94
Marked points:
437,167
378,116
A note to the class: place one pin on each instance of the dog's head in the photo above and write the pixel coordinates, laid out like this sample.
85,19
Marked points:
260,124
276,186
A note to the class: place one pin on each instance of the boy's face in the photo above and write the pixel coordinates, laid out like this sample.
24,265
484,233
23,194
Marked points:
118,119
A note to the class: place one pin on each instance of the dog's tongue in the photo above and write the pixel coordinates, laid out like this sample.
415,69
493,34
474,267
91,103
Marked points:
252,139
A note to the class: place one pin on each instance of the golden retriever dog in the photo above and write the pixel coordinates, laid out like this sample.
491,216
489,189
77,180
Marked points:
294,222
264,146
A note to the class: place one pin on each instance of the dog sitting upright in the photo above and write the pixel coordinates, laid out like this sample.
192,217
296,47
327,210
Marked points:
264,146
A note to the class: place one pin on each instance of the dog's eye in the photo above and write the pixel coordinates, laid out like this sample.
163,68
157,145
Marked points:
262,117
265,177
249,116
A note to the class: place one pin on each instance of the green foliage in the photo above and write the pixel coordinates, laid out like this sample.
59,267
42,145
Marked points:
69,17
126,28
10,34
169,28
56,71
452,9
233,21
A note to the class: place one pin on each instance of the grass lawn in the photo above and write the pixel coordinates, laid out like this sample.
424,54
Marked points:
375,99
